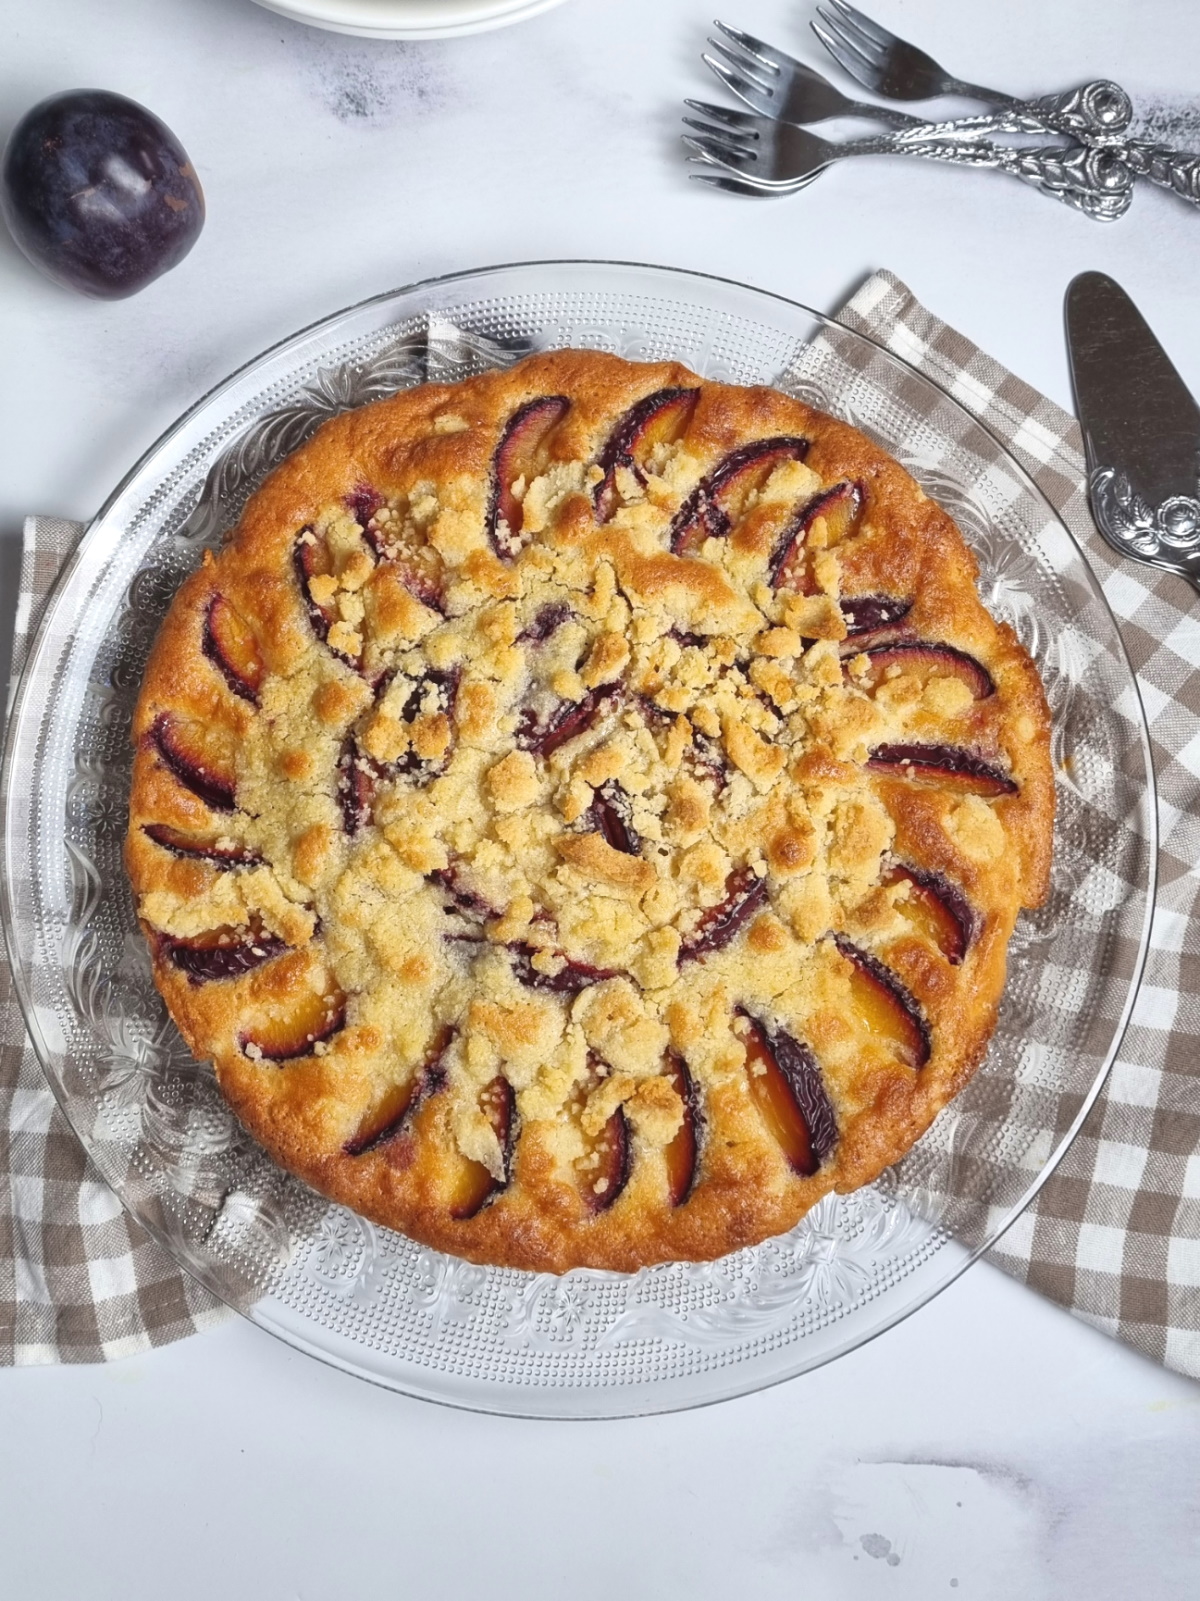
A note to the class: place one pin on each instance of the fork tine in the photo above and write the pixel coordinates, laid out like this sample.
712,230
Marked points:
752,184
845,31
872,30
766,55
718,136
744,60
744,122
732,186
853,34
751,93
737,64
738,186
757,185
722,154
851,61
706,163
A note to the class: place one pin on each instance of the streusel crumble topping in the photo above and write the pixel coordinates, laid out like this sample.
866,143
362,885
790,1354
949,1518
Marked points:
582,812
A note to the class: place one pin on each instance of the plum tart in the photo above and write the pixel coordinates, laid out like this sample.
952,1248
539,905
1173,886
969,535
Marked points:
582,811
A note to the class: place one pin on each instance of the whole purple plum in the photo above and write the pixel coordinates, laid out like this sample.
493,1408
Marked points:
99,193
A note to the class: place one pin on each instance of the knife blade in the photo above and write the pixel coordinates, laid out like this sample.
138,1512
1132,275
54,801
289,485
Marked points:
1139,418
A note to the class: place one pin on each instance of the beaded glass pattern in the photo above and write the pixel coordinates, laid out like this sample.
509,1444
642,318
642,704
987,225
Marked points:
588,1343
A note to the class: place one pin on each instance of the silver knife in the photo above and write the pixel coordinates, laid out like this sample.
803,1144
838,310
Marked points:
1141,429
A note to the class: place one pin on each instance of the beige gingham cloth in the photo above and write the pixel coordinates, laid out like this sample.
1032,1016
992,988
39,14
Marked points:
80,1281
1113,1236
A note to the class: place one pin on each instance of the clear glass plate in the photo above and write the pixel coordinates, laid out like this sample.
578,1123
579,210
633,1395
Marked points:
588,1344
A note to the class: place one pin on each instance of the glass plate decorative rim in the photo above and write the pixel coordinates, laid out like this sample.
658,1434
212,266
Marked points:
836,1252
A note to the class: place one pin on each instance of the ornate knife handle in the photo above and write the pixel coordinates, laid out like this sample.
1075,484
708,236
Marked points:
1176,170
1092,179
1167,535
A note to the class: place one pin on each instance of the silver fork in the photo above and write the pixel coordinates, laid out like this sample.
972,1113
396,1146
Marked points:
770,81
890,66
778,157
778,85
1098,113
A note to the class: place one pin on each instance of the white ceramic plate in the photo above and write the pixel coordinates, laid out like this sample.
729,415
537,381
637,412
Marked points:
408,19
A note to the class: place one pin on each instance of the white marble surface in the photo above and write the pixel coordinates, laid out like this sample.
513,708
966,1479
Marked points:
990,1446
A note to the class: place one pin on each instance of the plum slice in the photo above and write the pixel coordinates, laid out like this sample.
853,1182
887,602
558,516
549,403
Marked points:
360,775
871,614
657,419
744,895
440,684
187,749
313,1020
612,813
653,716
433,694
310,558
388,1117
544,622
570,978
420,567
607,1158
363,504
436,689
357,780
222,853
787,1088
682,1155
840,506
704,756
223,952
936,908
687,639
475,1185
521,454
229,643
943,764
927,661
423,574
719,499
609,1173
569,718
465,899
884,1007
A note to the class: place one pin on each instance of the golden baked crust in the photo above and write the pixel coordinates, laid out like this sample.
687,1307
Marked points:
582,812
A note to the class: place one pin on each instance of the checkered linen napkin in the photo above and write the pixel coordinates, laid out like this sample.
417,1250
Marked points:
1113,1236
79,1280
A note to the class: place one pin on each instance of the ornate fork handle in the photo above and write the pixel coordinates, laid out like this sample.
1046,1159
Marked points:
1170,169
1093,180
1098,115
1095,113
